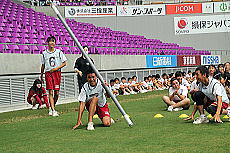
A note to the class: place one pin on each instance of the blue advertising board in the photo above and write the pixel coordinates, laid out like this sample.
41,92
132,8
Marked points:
153,61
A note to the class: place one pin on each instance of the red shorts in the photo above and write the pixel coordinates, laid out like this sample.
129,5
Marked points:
100,111
224,105
53,80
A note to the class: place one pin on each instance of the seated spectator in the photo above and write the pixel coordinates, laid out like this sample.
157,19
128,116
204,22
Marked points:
112,88
117,85
220,68
212,70
146,85
182,81
227,73
158,83
177,98
133,85
127,89
222,79
150,83
37,95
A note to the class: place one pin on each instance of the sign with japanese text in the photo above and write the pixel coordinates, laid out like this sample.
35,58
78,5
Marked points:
89,11
184,8
202,24
210,59
188,60
141,10
161,61
220,7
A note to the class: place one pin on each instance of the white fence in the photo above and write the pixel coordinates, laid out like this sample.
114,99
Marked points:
14,89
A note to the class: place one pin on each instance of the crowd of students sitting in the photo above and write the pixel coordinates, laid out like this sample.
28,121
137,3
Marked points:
179,85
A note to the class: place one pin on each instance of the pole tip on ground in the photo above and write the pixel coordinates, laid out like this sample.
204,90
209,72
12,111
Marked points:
158,116
123,116
183,116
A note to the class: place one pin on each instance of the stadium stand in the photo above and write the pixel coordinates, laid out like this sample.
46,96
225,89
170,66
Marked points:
23,30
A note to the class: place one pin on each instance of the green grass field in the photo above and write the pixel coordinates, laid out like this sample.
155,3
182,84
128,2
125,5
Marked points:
29,131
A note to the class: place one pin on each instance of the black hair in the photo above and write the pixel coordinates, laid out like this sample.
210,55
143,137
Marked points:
51,38
171,74
164,74
193,74
158,76
116,79
178,74
171,81
183,73
212,66
145,78
220,65
90,71
203,70
34,88
123,78
84,47
134,77
189,71
219,76
112,80
129,79
150,76
154,76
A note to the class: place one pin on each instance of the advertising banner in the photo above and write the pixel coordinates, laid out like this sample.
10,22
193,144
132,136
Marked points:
153,61
210,59
184,8
202,24
221,7
207,7
89,11
141,10
188,60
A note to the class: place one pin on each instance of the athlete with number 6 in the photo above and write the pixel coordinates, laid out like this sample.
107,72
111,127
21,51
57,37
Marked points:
52,61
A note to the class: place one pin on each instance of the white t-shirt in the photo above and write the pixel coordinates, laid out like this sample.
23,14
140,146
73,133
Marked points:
194,85
88,92
52,59
185,82
117,86
214,88
150,83
145,84
125,84
182,91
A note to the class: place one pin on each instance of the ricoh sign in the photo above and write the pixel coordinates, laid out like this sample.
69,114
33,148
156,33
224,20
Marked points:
188,60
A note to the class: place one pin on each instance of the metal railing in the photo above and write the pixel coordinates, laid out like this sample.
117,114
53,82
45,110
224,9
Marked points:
14,89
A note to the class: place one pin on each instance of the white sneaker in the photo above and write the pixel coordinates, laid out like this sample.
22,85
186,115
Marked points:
170,108
201,120
178,109
112,121
90,126
133,92
34,107
126,93
55,113
142,91
50,112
